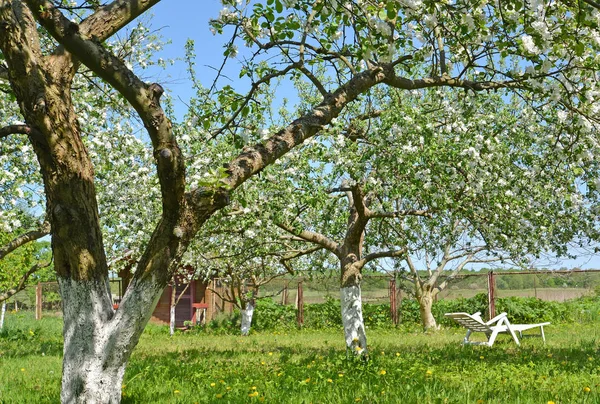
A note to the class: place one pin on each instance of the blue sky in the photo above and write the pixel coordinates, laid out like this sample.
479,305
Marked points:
182,19
179,21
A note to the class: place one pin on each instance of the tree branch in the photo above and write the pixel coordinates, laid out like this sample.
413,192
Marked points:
15,129
143,97
381,254
400,213
111,18
296,254
312,237
23,239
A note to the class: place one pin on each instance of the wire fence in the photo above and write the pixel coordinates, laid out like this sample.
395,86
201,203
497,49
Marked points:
556,285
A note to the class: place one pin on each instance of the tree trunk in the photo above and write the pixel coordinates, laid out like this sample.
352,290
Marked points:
89,374
98,341
425,299
352,319
2,315
172,311
247,314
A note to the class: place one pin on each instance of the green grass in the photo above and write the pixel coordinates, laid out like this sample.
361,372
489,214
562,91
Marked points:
312,367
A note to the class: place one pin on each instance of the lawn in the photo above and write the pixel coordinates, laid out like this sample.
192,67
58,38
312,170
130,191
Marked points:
312,367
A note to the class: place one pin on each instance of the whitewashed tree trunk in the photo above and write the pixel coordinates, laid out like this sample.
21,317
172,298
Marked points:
2,315
172,311
425,303
247,314
98,341
352,319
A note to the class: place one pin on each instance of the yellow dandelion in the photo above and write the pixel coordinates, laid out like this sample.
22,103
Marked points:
551,402
123,387
382,372
382,392
177,392
270,353
358,348
31,332
382,352
586,389
253,388
397,353
549,355
279,374
340,375
308,366
481,357
329,381
262,362
255,394
428,373
228,388
357,399
355,339
213,384
22,369
219,395
590,358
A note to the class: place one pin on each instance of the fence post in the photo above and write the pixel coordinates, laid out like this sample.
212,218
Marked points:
491,295
300,301
393,306
284,295
38,301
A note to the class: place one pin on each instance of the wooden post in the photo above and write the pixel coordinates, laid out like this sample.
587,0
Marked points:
535,285
491,295
284,295
393,306
38,301
300,300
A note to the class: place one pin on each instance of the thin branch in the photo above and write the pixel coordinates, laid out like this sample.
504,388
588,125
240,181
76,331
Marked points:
381,254
296,254
23,281
23,239
400,213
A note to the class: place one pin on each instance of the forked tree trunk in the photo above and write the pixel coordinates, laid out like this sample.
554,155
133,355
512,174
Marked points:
247,314
2,315
98,341
425,299
352,319
88,374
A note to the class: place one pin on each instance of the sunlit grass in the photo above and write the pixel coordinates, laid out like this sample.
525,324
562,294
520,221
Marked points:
312,366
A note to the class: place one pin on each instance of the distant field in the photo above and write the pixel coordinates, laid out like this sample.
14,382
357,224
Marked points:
382,295
555,294
312,367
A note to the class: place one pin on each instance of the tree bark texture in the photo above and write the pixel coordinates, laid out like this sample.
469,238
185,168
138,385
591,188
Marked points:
425,299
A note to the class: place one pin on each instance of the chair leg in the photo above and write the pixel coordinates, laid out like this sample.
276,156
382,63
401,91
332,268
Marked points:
542,332
492,338
466,340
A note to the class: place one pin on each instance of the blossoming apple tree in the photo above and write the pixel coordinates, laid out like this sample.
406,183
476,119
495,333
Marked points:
545,49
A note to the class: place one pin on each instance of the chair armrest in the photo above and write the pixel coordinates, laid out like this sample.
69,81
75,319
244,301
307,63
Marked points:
495,319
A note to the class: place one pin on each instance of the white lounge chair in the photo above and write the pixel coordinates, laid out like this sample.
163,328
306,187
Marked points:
499,324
